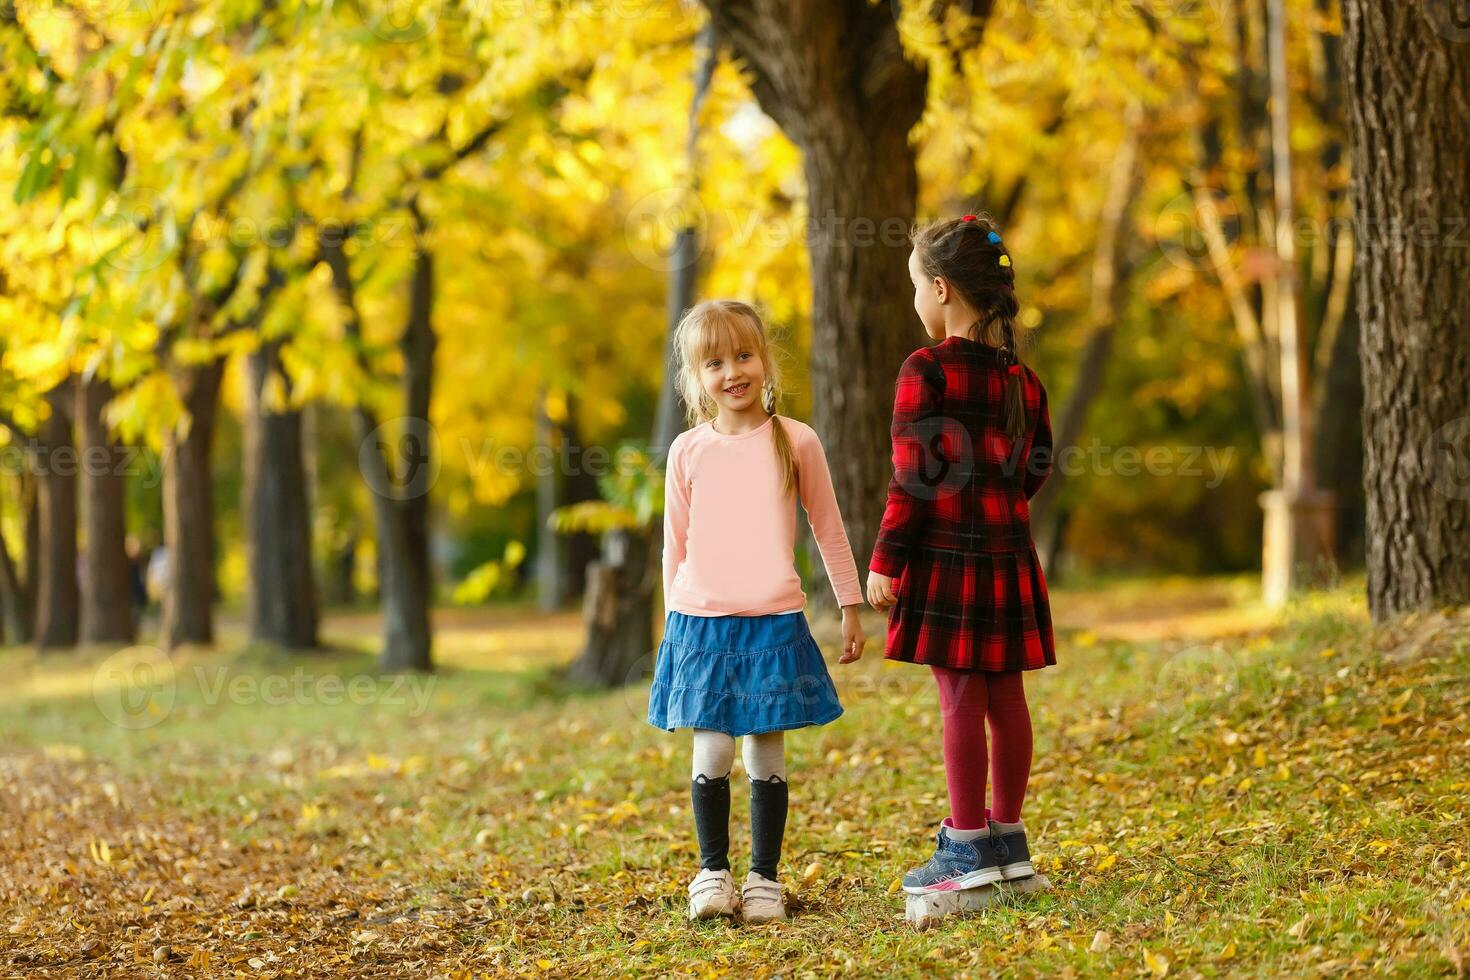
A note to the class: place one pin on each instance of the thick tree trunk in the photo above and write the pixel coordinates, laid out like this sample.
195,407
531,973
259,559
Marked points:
107,601
188,509
282,606
58,603
618,608
1408,83
834,76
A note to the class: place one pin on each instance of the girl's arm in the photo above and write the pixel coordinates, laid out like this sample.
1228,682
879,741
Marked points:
676,513
820,501
918,397
1039,461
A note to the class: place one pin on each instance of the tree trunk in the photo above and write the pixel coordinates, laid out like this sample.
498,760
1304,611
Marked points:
1339,441
618,609
562,559
58,602
581,485
282,606
1408,83
684,274
407,631
1110,273
834,76
31,496
15,619
551,549
188,509
400,486
107,601
618,599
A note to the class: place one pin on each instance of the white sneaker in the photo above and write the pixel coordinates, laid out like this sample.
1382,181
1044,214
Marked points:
762,899
712,893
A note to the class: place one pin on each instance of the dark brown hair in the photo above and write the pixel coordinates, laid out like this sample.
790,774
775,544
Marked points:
969,255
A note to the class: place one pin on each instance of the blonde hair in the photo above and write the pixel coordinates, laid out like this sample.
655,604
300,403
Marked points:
703,331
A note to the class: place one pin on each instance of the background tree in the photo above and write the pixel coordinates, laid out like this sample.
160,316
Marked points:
1408,92
835,77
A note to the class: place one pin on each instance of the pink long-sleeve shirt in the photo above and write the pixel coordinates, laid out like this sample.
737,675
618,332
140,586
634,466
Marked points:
730,534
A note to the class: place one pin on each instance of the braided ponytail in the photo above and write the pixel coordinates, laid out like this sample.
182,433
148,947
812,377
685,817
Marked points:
1013,408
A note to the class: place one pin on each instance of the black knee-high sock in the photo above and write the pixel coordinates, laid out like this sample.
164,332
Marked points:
768,800
711,799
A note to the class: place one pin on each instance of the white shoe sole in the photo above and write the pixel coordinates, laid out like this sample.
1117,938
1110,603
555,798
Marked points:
710,912
1021,869
985,876
713,911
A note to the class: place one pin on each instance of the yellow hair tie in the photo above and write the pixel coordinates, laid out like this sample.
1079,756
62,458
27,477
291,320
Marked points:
1005,260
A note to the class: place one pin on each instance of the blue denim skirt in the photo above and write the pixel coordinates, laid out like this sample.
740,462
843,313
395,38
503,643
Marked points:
741,675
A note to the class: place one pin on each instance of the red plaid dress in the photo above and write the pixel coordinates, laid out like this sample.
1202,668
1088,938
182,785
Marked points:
956,533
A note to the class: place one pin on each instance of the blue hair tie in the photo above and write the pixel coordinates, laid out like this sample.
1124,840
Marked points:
994,238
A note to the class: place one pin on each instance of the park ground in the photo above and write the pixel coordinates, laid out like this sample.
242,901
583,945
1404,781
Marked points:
1219,790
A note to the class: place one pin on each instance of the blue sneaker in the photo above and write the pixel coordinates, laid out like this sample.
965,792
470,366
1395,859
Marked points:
1012,854
955,865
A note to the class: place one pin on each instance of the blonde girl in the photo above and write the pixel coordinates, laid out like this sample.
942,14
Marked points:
737,658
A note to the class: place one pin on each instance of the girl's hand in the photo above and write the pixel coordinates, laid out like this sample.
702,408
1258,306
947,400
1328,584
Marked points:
880,591
853,637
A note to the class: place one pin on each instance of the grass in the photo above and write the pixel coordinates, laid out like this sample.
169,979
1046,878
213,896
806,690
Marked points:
1218,790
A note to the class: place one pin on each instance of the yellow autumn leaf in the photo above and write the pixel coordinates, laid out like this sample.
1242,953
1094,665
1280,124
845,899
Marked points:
1156,963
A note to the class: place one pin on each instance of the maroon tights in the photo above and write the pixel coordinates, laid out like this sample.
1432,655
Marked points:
967,699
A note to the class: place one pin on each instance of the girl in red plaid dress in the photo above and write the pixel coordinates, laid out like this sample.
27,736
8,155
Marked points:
954,563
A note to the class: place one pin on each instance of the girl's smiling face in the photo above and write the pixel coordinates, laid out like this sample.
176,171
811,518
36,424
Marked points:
733,377
929,298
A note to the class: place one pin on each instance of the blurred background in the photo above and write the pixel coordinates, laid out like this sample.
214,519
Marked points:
361,301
